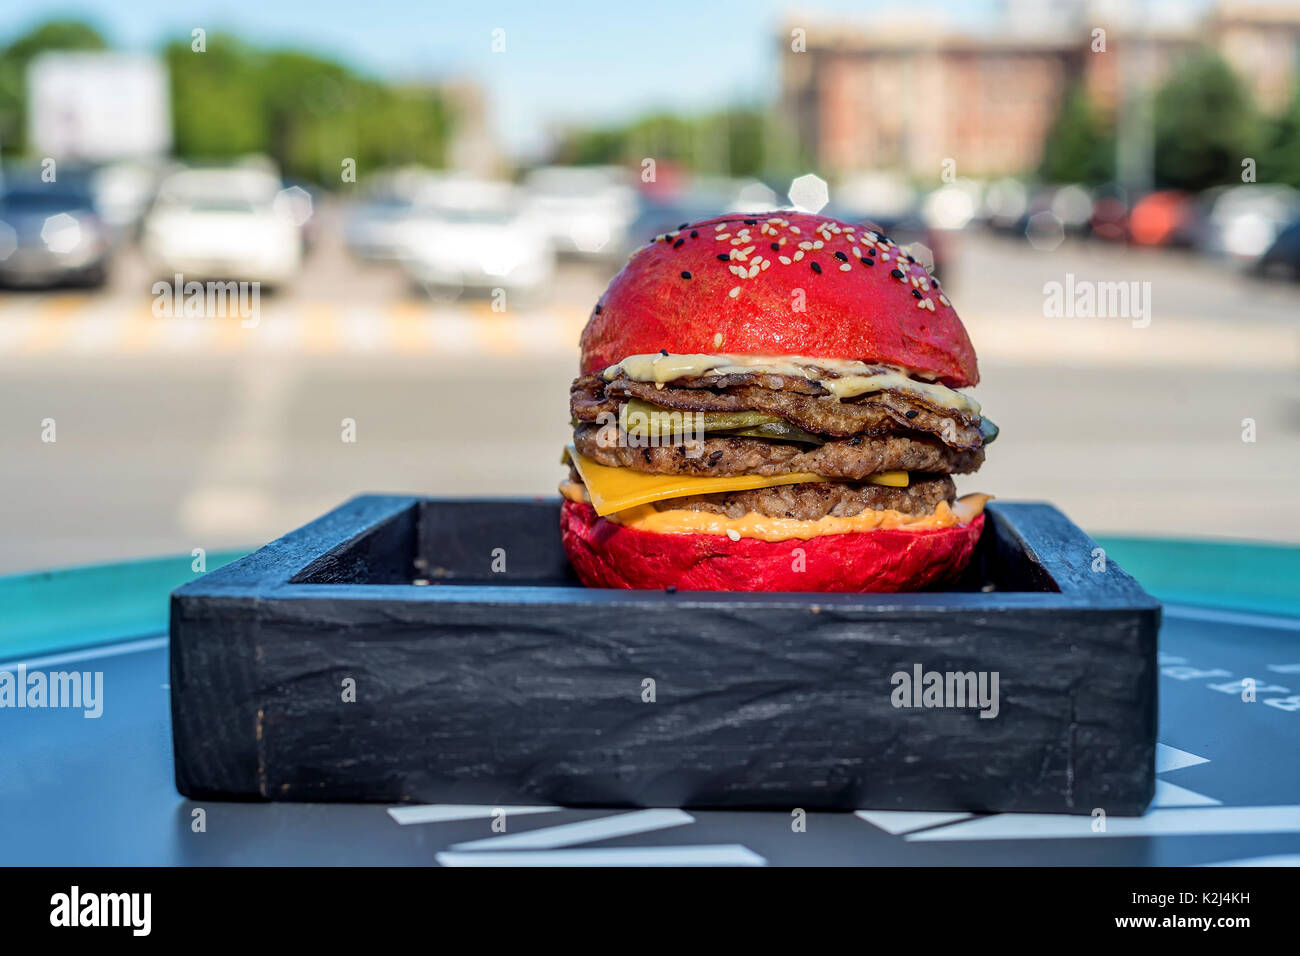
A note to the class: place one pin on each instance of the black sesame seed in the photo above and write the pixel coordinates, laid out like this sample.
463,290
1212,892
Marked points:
855,440
683,225
695,234
842,257
671,589
598,308
678,243
911,413
896,273
751,222
663,352
687,275
916,293
868,262
716,455
935,280
911,259
776,247
723,257
816,268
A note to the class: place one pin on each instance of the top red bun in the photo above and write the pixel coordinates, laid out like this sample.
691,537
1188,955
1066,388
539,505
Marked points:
863,313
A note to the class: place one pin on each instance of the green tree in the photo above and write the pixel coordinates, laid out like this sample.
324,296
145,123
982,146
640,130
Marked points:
14,59
1205,124
1279,161
1080,148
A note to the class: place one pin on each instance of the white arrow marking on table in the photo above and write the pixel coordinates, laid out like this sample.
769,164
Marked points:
905,821
1171,758
1171,795
448,812
1195,821
584,831
721,855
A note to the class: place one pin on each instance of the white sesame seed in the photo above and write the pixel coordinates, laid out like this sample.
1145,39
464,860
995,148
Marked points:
733,534
818,244
725,235
719,227
717,340
805,245
795,230
766,263
736,270
857,253
798,255
753,270
785,260
944,300
734,292
846,267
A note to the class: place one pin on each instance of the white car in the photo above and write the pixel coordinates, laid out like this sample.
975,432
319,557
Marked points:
226,223
473,235
584,210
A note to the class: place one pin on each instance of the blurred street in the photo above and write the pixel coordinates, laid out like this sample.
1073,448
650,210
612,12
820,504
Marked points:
177,433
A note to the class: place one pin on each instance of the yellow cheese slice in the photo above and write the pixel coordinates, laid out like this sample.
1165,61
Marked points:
615,489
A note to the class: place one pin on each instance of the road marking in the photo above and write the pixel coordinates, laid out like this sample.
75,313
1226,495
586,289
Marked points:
585,831
1196,821
448,812
729,854
1171,758
906,821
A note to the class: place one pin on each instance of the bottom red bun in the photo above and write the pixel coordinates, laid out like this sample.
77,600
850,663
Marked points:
609,555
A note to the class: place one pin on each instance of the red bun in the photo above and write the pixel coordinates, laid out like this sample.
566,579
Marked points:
609,555
863,313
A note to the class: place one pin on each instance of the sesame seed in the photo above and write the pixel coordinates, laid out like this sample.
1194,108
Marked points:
798,255
723,256
686,275
795,230
805,245
816,268
720,238
917,293
736,270
857,253
818,244
663,352
785,260
751,222
944,300
733,534
683,226
911,413
599,308
753,270
841,256
734,292
766,263
717,340
896,273
776,246
695,234
866,262
719,227
846,267
678,243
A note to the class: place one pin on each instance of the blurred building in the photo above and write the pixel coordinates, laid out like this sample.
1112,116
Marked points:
473,147
908,96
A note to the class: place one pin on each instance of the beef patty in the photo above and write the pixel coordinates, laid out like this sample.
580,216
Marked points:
799,401
852,459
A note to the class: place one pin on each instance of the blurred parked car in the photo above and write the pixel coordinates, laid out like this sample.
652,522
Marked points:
474,235
1283,256
584,210
1244,221
223,223
1162,218
1110,209
385,222
50,233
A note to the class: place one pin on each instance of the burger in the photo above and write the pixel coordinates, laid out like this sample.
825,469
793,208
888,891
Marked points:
769,402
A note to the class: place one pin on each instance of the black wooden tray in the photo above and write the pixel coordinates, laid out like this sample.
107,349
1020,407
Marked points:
504,681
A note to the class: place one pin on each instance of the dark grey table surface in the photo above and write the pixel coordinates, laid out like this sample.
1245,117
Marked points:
83,791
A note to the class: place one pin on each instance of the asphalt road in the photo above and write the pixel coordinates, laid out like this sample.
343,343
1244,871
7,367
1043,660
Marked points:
173,434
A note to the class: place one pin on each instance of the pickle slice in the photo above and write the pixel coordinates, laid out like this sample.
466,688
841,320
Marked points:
780,430
988,430
645,420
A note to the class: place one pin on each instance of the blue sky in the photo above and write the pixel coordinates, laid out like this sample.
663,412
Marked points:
564,60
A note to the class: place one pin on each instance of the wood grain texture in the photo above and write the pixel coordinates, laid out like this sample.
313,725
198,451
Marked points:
525,688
